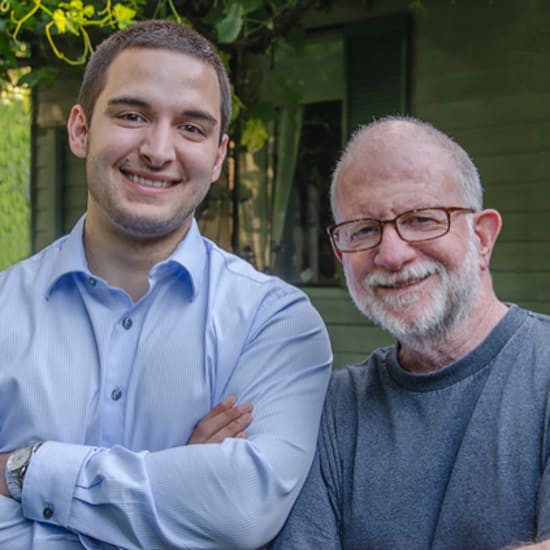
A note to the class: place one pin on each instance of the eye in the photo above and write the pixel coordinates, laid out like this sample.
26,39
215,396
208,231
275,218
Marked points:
192,129
131,117
419,220
423,220
363,231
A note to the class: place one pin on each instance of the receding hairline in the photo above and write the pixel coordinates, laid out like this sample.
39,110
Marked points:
466,174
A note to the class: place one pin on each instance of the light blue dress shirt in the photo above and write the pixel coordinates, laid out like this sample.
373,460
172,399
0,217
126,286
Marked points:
115,388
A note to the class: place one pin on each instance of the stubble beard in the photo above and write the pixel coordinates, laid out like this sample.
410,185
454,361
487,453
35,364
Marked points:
448,306
134,226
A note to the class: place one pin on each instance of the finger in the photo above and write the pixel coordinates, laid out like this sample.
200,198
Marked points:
210,426
214,428
233,429
221,407
225,425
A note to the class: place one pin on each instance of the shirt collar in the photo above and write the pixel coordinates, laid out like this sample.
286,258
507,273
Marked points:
188,258
70,259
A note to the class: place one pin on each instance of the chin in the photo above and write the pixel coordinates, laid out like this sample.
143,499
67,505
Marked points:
405,316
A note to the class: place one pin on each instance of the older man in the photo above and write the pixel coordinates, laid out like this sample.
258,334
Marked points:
441,440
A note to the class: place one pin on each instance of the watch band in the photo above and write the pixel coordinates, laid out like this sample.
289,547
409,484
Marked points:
16,466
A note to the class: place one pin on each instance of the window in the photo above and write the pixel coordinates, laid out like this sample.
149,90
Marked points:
305,255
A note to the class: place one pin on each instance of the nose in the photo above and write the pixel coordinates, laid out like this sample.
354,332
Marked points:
157,147
393,253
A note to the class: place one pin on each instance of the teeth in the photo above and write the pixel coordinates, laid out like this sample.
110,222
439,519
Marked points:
149,183
404,283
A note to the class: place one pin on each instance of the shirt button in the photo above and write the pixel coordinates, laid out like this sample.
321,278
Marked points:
116,394
127,323
47,512
92,281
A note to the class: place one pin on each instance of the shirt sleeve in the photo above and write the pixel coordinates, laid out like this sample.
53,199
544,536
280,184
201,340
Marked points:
234,494
315,518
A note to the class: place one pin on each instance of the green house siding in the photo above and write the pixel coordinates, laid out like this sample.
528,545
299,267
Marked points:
478,70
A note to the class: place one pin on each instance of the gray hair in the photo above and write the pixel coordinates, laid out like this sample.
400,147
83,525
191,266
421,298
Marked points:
466,176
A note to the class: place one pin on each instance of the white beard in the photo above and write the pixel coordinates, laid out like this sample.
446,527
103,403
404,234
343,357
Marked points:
449,304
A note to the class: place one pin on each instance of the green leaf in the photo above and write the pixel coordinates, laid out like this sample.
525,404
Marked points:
60,20
250,6
230,26
236,105
254,135
124,15
89,11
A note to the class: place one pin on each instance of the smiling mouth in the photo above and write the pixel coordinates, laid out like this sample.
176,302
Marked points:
158,184
408,282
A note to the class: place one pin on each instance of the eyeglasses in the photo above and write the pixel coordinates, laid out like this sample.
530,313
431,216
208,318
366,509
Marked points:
413,226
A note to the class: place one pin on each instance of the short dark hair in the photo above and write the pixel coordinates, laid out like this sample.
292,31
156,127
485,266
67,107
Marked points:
159,34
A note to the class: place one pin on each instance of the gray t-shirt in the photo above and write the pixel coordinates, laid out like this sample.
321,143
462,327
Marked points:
453,459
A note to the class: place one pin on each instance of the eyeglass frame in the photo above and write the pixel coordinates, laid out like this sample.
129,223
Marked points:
447,209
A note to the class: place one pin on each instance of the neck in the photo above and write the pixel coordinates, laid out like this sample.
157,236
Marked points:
122,261
424,355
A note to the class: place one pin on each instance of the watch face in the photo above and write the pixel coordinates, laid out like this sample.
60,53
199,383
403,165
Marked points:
19,458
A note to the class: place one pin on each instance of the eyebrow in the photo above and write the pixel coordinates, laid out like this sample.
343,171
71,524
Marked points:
127,100
136,102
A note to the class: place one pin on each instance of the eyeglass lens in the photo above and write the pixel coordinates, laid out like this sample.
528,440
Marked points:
419,225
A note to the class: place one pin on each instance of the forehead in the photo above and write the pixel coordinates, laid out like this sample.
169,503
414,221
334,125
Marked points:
162,72
394,173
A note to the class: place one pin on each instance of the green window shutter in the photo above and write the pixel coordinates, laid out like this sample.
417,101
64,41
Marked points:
376,58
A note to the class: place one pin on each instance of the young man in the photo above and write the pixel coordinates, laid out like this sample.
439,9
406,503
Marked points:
117,339
440,441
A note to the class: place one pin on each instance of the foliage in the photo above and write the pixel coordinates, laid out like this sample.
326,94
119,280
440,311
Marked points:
39,32
14,174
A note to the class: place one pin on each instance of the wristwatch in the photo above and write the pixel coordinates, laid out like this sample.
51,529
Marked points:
16,466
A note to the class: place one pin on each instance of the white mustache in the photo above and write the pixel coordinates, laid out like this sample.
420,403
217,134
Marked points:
409,275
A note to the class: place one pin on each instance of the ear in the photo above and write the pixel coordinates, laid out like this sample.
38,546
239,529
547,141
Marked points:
487,227
77,128
220,157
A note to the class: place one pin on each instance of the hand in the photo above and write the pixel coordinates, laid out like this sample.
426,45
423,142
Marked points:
224,420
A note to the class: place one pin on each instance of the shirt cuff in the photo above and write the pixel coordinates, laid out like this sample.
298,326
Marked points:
49,482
